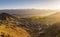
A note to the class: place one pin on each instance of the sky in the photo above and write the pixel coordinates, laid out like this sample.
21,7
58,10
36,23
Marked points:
29,4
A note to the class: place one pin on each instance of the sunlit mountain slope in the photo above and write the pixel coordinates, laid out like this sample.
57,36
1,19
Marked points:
9,28
12,31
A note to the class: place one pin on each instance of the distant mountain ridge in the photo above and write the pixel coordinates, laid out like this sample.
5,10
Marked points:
54,17
26,12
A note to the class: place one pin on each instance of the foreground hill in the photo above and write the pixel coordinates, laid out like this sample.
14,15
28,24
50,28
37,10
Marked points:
9,28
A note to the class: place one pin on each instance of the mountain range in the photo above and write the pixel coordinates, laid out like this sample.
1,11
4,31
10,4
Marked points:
28,12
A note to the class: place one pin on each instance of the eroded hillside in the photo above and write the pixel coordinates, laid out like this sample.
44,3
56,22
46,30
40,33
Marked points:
9,28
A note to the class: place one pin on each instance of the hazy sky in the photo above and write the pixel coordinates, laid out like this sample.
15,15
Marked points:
23,4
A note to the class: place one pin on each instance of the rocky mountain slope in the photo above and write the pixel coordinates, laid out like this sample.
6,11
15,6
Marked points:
9,28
